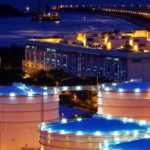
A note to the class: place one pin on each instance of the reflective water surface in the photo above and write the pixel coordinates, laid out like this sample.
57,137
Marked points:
18,29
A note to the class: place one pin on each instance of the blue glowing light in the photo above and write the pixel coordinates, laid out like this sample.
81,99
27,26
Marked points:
97,126
134,86
21,89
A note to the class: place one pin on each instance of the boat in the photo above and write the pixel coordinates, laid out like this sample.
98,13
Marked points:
46,17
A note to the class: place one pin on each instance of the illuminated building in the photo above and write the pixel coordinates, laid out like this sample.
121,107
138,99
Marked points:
139,43
22,109
89,38
115,41
115,64
138,33
89,134
130,99
139,39
50,40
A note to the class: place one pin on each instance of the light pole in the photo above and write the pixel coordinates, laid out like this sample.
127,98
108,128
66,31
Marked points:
0,138
13,141
42,109
1,122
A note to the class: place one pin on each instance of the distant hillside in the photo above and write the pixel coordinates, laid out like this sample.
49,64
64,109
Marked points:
7,10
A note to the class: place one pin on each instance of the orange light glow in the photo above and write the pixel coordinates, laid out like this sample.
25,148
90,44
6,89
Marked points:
135,47
50,40
108,45
80,37
84,42
90,144
131,42
105,40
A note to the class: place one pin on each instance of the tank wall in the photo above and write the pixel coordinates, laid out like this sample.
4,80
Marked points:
73,137
20,117
71,141
127,104
30,106
30,116
16,136
52,141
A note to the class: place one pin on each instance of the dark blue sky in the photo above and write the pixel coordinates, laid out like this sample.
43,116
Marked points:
33,3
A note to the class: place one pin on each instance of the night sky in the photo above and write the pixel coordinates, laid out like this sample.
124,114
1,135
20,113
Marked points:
34,3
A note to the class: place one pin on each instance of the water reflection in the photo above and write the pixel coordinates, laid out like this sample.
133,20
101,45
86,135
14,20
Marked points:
18,29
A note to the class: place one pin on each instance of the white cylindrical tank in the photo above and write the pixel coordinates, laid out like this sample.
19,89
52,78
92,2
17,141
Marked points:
130,99
22,109
89,134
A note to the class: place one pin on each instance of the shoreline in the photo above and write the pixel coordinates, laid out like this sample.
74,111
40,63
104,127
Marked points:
136,20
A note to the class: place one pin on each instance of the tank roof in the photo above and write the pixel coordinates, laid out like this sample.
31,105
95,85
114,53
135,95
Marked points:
130,86
21,89
90,126
141,144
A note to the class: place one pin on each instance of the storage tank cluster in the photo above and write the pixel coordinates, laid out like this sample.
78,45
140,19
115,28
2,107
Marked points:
22,109
96,133
129,99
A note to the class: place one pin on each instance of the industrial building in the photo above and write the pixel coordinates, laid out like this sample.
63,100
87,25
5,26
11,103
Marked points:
22,109
118,65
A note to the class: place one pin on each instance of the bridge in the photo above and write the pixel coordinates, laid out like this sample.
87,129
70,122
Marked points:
139,15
